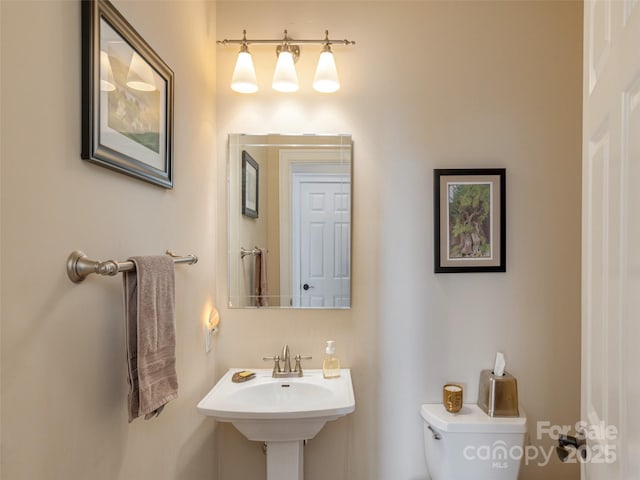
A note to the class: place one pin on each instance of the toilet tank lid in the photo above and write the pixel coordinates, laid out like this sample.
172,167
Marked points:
471,419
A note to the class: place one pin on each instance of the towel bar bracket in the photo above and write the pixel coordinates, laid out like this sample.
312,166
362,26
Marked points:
80,267
253,252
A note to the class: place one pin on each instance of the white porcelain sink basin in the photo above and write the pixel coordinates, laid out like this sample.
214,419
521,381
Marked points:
280,409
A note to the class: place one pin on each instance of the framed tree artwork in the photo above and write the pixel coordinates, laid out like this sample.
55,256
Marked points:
469,220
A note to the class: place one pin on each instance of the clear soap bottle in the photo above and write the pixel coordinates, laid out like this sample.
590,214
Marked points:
330,364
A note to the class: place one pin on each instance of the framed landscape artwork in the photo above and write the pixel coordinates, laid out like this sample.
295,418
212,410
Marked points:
127,98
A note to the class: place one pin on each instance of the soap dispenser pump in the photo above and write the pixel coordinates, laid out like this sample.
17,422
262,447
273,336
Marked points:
330,364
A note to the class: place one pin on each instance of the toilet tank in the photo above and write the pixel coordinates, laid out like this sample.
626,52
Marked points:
471,445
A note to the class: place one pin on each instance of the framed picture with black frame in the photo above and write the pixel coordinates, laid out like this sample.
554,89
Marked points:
250,180
127,98
469,220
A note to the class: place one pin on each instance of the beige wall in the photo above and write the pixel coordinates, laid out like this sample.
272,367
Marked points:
428,85
64,384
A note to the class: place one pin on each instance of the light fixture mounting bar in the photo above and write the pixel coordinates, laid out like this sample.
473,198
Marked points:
286,40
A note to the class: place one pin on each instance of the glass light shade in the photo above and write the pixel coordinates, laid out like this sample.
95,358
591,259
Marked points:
326,77
107,83
140,76
285,78
244,75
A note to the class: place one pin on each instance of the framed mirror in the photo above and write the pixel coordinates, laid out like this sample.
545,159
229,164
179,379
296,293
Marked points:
289,221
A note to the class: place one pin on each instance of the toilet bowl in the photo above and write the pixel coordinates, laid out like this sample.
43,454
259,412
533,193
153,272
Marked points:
471,445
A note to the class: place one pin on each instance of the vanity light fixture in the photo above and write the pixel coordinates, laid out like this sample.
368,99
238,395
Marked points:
244,74
285,78
326,78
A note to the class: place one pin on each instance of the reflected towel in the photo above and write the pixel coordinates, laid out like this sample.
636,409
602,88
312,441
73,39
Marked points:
260,278
151,335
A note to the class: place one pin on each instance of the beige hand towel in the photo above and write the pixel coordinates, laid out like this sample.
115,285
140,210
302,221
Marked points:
151,335
260,278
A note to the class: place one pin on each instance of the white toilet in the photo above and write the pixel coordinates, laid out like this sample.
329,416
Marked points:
471,445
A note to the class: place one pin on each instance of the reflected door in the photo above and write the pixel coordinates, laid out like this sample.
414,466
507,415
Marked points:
322,239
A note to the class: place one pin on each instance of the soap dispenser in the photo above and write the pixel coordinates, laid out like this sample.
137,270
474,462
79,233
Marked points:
330,364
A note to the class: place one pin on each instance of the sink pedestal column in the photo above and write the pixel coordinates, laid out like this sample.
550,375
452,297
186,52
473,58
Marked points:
285,460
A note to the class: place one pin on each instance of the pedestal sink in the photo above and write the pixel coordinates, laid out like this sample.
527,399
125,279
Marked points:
283,412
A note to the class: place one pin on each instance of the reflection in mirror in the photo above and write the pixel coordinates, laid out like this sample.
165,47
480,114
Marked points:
289,221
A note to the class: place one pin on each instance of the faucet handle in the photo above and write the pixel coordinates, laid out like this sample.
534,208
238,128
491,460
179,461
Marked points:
276,360
298,366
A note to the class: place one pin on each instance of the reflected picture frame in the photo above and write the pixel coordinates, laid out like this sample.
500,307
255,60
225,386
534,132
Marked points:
469,220
250,182
127,98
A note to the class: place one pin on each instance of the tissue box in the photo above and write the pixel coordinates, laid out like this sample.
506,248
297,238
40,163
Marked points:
498,396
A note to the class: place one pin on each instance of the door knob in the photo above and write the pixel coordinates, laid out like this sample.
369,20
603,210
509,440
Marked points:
306,286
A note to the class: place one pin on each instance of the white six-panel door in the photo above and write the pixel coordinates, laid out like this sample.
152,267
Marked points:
611,239
322,239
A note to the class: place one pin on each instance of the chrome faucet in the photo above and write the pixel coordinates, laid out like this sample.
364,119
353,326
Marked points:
286,358
286,371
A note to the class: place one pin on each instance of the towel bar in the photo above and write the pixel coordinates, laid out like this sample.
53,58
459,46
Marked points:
80,267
